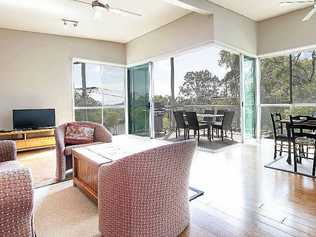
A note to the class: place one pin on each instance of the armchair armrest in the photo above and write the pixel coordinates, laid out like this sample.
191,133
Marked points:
60,138
7,151
16,206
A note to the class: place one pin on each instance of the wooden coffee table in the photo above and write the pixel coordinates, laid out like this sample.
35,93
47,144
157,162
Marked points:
88,159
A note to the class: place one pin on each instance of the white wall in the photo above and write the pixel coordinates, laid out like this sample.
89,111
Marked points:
190,31
230,29
286,32
35,70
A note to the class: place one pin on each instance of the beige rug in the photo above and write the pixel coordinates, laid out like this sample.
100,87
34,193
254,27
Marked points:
42,164
61,210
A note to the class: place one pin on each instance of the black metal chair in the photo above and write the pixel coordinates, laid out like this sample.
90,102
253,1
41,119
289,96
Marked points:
180,123
206,119
279,133
302,138
225,124
220,111
193,124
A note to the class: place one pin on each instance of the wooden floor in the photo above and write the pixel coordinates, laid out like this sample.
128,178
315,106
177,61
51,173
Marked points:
242,198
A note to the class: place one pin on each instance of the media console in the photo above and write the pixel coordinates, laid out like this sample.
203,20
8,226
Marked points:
31,139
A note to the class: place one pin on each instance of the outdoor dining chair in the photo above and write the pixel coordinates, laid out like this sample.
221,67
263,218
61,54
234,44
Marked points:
195,125
225,124
180,123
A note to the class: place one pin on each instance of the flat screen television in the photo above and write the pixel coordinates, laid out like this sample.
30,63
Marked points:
33,118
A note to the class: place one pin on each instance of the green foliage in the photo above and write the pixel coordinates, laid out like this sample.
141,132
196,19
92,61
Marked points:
203,87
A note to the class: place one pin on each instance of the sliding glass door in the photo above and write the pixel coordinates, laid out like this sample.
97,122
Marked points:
249,83
138,100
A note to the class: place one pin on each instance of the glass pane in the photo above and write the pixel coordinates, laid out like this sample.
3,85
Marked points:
87,84
266,122
162,97
249,70
138,98
208,76
303,110
113,79
304,78
114,120
92,115
275,79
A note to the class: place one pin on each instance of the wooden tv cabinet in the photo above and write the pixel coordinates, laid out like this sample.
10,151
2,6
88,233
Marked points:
31,139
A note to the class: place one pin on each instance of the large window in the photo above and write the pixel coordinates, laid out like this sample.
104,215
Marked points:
208,79
99,95
288,85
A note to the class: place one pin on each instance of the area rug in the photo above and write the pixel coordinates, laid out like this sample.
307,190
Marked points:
302,169
42,164
62,210
215,145
205,144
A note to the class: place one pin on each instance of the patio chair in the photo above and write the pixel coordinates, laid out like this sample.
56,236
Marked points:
278,133
209,120
146,194
225,124
180,123
302,138
195,125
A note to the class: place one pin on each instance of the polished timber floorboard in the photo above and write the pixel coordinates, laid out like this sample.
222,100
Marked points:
242,198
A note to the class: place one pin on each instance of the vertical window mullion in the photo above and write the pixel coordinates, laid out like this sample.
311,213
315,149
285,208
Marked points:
291,79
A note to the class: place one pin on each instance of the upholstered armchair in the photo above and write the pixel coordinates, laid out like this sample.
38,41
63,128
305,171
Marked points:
146,194
64,152
16,194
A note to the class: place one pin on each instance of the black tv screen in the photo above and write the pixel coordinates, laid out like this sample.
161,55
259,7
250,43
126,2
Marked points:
33,118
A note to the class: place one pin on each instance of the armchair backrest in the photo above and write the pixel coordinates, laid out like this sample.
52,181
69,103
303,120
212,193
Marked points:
7,151
133,190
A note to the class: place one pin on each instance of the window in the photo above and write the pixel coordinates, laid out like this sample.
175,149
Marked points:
99,95
208,79
304,78
275,88
288,86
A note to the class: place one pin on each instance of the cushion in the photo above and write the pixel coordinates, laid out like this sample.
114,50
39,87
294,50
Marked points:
79,134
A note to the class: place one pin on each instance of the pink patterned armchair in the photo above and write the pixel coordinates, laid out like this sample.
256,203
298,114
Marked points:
146,194
16,195
64,152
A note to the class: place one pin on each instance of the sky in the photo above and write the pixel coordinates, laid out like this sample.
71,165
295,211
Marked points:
111,78
206,58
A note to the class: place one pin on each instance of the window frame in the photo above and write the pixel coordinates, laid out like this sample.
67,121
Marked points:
88,61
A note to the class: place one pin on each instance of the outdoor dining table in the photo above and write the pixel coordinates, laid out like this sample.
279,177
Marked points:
300,124
210,115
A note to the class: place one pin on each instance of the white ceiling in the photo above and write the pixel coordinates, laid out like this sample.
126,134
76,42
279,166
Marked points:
45,16
258,10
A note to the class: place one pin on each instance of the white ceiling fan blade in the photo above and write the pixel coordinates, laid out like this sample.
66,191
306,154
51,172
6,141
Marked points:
83,2
309,15
287,3
123,12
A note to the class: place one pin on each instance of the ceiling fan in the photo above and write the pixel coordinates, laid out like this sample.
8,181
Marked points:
310,14
98,6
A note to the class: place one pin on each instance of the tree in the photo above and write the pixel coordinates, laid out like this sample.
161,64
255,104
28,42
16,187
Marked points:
231,80
198,87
